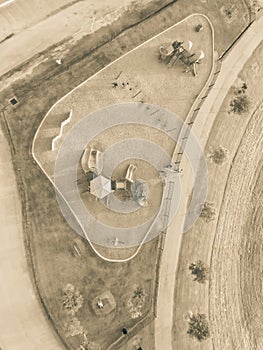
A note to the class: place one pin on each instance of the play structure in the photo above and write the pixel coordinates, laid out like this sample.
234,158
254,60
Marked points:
100,186
180,51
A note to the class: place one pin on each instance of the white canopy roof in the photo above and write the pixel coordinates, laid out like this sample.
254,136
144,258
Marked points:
100,186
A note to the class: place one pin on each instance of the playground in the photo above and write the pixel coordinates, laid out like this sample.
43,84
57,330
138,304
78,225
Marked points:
139,77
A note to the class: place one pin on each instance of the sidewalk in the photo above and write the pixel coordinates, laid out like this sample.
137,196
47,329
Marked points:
201,128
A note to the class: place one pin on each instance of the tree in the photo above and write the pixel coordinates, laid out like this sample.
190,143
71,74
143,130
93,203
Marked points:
240,103
139,293
208,212
136,302
199,270
198,327
219,155
73,327
88,345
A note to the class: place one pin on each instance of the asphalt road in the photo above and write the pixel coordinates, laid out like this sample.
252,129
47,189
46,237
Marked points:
22,322
231,66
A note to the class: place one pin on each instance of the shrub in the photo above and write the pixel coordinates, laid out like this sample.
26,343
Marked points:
240,103
208,212
199,270
198,327
88,345
73,327
219,155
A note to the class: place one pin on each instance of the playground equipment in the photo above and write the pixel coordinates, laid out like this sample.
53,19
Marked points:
93,160
180,51
100,186
130,173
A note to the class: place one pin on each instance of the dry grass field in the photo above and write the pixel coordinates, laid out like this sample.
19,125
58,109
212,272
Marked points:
229,245
45,229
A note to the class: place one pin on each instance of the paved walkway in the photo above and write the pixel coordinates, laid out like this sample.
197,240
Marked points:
202,127
22,322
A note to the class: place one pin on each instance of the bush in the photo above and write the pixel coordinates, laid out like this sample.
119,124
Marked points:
72,299
240,103
198,327
88,345
208,212
73,327
219,155
136,302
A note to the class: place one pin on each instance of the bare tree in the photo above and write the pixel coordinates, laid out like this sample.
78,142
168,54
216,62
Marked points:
72,299
73,327
88,345
198,327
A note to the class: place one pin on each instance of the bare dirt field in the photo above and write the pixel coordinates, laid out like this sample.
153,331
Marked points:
224,297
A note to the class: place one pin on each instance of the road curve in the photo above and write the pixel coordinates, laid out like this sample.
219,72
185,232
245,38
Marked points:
230,68
22,322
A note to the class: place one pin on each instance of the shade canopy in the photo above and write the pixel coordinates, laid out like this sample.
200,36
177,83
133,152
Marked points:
100,186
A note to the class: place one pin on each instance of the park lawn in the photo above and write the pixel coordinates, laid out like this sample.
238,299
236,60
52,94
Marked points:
45,228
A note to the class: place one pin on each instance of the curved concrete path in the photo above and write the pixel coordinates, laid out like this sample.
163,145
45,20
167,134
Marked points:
22,322
231,66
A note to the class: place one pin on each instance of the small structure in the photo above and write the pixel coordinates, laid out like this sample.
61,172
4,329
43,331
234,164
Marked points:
93,160
84,161
116,242
121,185
13,101
100,186
199,27
100,304
130,173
